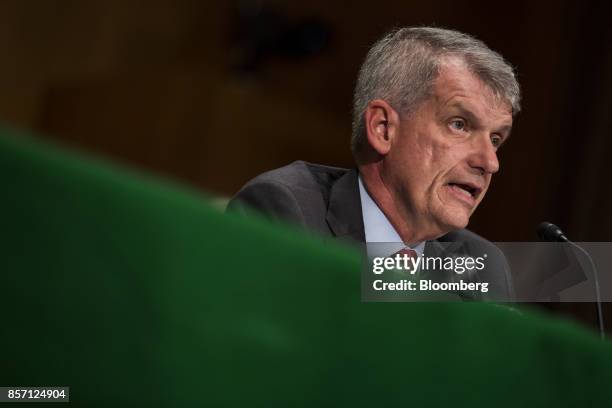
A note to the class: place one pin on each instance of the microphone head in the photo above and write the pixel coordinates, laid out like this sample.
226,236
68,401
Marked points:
550,232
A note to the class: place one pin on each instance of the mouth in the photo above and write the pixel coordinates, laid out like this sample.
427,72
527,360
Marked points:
465,191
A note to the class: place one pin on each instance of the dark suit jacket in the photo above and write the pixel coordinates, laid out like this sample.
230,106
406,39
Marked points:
326,200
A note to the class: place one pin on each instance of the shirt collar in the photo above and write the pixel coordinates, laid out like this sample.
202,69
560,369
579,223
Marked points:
377,226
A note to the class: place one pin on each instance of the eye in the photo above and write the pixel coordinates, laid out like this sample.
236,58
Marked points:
458,124
496,140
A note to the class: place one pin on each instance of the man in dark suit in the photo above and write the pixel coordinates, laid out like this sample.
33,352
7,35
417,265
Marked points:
431,109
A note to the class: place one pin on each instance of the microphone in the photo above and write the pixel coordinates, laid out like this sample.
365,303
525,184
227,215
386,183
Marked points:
551,233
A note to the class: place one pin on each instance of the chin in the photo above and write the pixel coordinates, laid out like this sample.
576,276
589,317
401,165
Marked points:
454,221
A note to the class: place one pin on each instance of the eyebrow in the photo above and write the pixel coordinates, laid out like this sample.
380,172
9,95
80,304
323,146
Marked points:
464,111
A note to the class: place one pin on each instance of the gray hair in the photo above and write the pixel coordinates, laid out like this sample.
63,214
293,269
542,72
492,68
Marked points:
402,67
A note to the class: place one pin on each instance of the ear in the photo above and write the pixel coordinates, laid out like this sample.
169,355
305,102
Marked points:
381,124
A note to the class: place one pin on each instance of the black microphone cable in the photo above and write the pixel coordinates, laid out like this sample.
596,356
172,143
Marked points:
551,233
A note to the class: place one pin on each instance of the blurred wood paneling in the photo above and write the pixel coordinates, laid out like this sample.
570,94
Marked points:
152,84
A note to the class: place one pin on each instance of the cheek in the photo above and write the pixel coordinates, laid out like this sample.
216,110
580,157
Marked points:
446,150
442,159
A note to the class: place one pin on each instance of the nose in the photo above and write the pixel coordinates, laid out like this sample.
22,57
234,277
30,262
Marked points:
484,156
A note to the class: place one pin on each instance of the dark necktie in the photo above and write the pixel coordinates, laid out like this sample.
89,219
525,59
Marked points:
410,253
406,251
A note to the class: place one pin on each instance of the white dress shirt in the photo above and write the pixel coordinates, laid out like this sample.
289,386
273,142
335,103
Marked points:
378,228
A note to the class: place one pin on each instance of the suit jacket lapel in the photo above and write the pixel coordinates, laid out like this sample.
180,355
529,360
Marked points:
344,211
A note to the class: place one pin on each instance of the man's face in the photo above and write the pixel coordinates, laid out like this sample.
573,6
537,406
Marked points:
440,163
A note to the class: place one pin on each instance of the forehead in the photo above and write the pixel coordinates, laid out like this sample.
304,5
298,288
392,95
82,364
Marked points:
457,85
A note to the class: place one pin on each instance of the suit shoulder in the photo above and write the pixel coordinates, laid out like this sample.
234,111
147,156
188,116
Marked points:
296,193
300,175
468,237
474,244
463,235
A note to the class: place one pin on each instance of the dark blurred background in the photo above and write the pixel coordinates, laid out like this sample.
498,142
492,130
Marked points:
213,93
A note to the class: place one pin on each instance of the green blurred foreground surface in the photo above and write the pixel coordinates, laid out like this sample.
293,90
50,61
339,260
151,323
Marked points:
135,293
